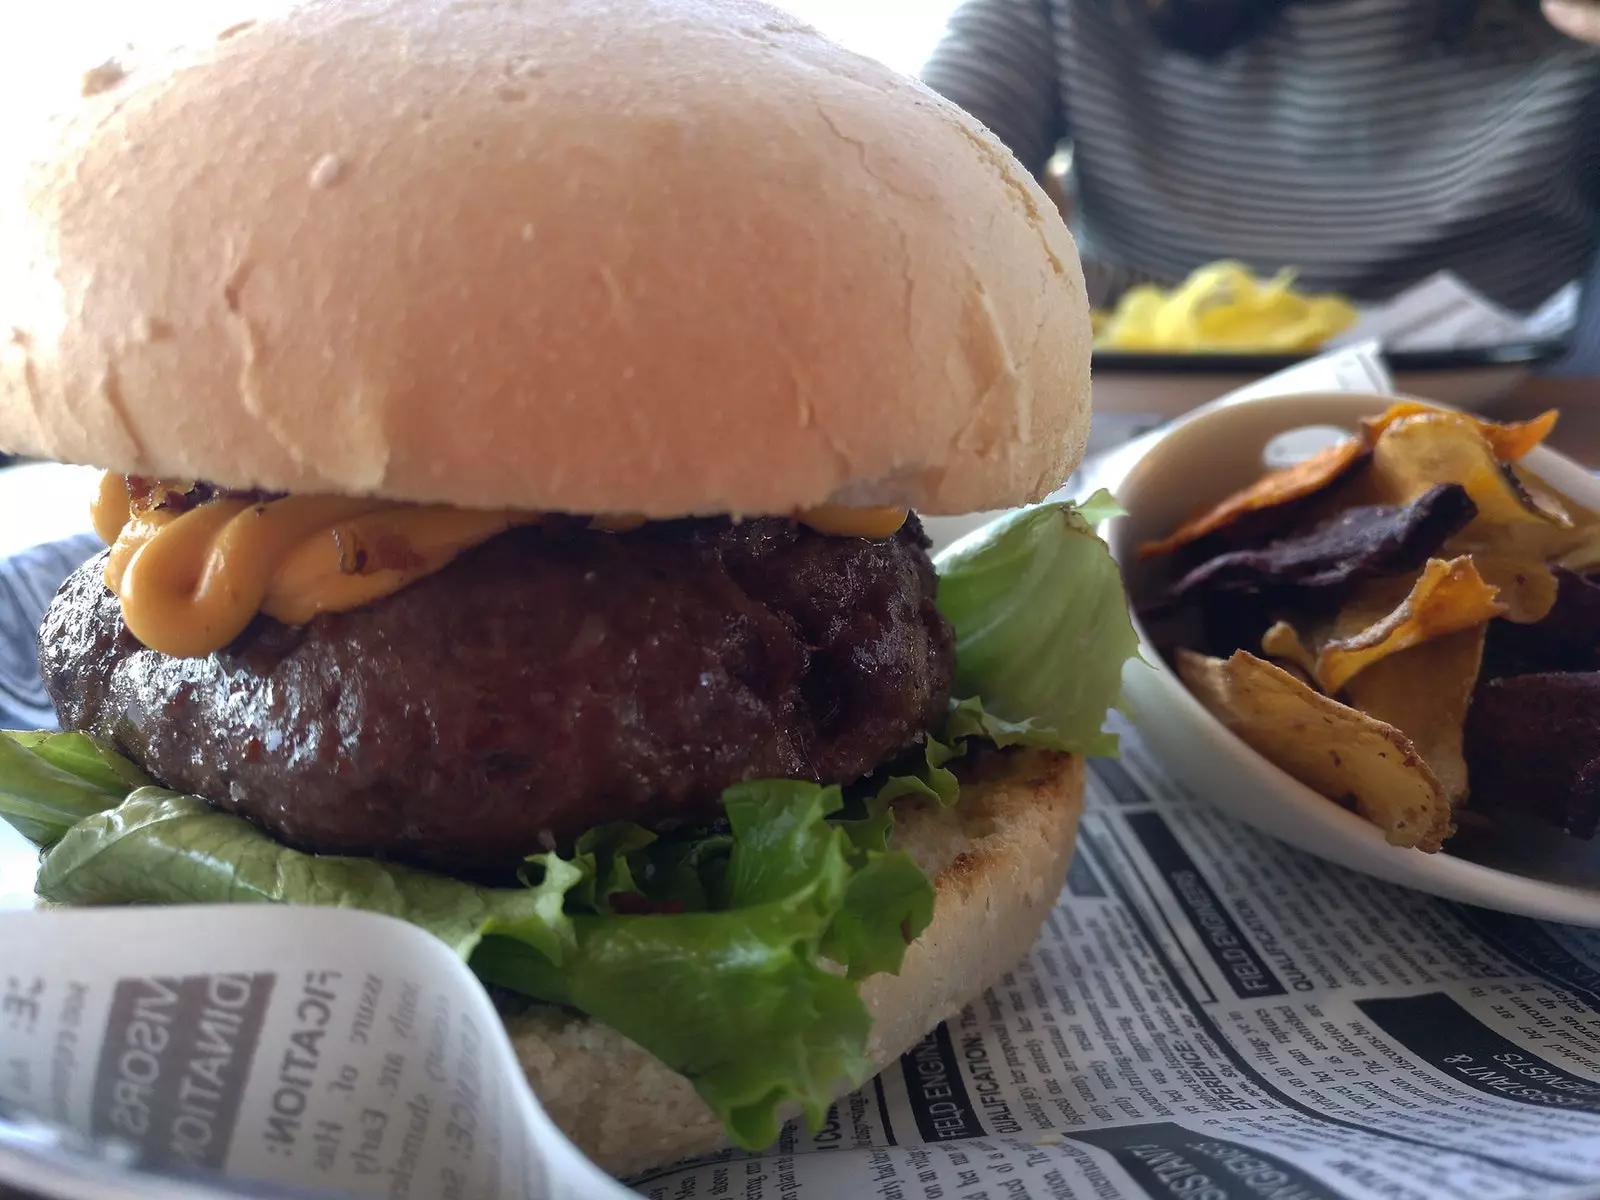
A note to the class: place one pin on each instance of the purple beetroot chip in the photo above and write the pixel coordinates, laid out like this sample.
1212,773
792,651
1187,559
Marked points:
1358,543
1567,639
1533,746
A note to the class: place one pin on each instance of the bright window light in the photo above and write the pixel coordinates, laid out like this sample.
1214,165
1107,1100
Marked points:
900,33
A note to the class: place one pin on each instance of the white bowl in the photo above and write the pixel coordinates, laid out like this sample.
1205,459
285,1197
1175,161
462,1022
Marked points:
1196,462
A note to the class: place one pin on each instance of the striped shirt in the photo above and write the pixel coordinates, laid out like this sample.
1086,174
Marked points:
1337,143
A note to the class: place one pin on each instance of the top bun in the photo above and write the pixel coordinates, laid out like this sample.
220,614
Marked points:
658,256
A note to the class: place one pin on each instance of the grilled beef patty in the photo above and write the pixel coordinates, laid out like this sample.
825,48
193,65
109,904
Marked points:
552,679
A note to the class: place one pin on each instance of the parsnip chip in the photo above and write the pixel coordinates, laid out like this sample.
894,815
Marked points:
1545,499
1447,597
1331,748
1541,490
1275,488
1283,644
1585,556
1526,586
1582,551
1424,692
1510,441
1415,453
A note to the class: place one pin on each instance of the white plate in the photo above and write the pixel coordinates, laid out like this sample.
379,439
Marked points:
1194,463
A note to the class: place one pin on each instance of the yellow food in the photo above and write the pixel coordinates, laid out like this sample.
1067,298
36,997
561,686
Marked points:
190,581
1223,307
1471,441
1282,643
840,521
1413,454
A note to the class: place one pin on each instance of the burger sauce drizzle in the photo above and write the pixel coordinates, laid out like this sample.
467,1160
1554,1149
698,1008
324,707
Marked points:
192,576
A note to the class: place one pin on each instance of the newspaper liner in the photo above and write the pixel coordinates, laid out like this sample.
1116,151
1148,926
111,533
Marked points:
1207,1015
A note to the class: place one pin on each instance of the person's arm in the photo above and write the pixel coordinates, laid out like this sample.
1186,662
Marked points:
998,61
1576,18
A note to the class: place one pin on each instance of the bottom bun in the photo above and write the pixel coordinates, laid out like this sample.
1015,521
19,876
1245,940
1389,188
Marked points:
998,860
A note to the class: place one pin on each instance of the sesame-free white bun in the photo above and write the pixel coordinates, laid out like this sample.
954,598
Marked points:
998,860
654,256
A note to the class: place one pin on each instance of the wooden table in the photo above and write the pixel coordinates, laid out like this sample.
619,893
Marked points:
1578,432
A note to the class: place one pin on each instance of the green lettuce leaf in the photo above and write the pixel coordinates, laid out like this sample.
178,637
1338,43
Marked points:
969,719
1041,622
887,905
160,847
931,777
736,996
868,818
602,857
49,781
683,876
737,999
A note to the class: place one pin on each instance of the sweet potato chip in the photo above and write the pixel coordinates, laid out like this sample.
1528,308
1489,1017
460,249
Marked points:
1275,488
1446,598
1355,544
1333,749
1533,746
1424,693
1510,441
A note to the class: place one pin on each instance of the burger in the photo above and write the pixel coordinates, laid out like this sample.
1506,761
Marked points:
516,420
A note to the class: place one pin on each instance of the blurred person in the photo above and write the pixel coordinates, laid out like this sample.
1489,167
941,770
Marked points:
1365,143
